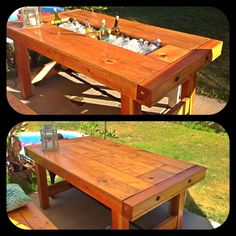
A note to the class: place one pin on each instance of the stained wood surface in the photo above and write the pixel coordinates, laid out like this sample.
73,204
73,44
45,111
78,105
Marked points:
18,105
31,217
116,174
144,79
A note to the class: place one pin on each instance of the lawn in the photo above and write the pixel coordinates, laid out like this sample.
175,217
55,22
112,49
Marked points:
180,141
213,80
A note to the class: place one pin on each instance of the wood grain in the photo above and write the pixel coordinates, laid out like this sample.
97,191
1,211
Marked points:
23,69
31,217
125,179
141,80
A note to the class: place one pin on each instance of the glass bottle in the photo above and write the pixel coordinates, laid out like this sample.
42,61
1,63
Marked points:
103,32
57,20
88,28
115,30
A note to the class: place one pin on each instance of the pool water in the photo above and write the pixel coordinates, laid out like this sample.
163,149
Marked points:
28,138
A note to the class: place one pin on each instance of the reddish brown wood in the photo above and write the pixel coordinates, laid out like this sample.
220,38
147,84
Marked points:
58,188
125,179
169,223
119,221
189,91
142,202
129,106
142,79
19,106
42,186
23,69
177,207
31,217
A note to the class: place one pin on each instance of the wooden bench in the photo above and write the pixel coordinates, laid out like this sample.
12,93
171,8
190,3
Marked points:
30,217
19,106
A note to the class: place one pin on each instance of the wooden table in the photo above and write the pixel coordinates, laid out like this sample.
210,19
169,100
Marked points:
141,79
129,181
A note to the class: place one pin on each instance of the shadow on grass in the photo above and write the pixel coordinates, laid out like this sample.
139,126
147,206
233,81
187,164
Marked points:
192,206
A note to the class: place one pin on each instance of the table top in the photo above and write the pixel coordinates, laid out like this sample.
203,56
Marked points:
114,173
144,78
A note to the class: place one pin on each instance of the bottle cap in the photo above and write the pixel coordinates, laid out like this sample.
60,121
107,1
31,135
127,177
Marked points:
117,17
103,21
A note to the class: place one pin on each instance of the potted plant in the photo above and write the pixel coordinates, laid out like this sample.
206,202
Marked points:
20,169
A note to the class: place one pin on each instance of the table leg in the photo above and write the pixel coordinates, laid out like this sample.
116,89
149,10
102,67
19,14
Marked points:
129,106
177,207
189,91
42,186
119,221
23,70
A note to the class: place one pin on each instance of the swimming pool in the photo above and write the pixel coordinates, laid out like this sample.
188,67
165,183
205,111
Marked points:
28,138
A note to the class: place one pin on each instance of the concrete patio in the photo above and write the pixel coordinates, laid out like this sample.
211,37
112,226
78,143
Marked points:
75,210
65,94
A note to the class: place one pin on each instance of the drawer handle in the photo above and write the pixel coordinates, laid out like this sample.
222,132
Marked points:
189,181
158,198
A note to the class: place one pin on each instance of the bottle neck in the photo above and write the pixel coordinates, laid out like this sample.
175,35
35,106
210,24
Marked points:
56,14
87,24
116,22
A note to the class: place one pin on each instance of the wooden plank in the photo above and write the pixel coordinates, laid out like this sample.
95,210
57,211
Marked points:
174,74
31,217
156,176
35,218
129,106
165,160
19,106
58,188
137,155
168,53
215,46
124,164
115,60
90,179
119,221
167,224
179,108
17,219
189,92
146,200
116,170
135,29
42,186
94,191
95,146
173,96
23,69
177,207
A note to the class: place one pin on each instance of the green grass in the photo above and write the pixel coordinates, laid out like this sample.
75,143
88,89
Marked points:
213,80
184,142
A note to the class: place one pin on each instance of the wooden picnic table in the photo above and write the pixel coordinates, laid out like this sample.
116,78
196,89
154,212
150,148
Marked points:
140,79
129,181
